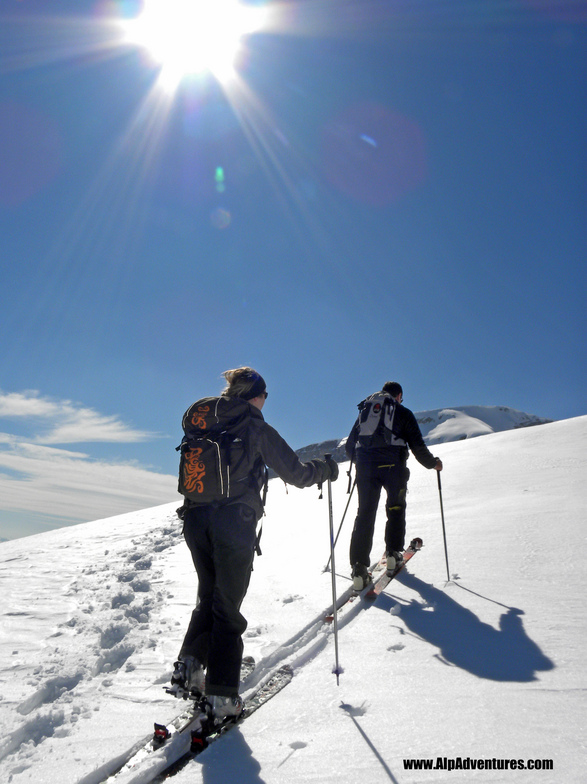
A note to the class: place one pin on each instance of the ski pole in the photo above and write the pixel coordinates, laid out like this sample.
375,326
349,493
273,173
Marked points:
336,669
341,522
443,528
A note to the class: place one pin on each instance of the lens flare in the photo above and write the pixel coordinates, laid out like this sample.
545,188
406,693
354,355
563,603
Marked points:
220,218
219,178
373,154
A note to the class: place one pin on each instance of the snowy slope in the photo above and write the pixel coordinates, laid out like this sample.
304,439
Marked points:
488,666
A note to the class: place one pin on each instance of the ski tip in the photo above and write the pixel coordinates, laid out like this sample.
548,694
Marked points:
416,543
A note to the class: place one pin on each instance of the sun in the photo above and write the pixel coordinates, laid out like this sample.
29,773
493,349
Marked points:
189,37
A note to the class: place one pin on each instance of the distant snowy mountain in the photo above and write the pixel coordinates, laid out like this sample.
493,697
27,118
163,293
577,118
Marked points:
441,425
455,424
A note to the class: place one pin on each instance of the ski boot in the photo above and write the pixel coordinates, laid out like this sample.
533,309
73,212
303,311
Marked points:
361,577
188,679
221,709
394,559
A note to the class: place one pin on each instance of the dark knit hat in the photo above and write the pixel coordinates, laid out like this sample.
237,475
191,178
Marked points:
259,386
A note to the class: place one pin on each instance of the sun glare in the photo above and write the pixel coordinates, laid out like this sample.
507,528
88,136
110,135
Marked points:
193,36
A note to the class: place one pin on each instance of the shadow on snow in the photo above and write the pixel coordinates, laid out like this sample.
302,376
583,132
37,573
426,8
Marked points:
230,760
503,654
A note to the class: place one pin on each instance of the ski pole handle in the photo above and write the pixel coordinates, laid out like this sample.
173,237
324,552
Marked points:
329,484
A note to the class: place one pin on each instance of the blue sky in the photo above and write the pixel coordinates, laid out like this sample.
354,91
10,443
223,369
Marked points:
390,191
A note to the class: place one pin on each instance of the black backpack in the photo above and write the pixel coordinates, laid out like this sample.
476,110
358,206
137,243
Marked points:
376,418
215,449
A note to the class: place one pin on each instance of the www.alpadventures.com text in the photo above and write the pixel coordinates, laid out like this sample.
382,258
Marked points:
467,763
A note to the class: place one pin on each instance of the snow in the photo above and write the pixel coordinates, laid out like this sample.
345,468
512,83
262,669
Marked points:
489,666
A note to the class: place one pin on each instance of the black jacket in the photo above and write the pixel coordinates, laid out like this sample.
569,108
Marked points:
406,427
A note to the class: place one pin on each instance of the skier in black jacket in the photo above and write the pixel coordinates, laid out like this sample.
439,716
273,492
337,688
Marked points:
382,464
222,536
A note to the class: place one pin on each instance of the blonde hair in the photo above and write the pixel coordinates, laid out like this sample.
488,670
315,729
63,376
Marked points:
242,382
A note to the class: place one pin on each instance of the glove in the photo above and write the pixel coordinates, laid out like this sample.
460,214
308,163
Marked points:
333,466
325,470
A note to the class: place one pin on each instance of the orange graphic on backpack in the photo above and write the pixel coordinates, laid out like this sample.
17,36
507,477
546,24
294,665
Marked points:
194,471
199,417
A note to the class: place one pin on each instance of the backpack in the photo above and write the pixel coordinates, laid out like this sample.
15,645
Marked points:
376,416
214,451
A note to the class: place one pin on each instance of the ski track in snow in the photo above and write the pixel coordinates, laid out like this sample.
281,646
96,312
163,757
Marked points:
297,651
112,603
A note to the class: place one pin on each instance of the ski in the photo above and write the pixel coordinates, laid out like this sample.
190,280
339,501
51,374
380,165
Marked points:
351,595
383,581
380,579
162,733
171,734
207,732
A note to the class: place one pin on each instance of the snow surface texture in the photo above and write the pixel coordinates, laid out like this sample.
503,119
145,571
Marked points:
487,666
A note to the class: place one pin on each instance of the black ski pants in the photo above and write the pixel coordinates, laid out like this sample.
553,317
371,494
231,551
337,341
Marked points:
222,543
371,479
